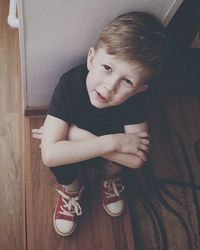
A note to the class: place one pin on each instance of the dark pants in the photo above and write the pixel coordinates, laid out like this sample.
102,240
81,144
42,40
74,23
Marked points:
66,174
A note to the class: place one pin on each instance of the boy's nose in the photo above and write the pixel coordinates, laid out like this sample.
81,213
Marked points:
111,85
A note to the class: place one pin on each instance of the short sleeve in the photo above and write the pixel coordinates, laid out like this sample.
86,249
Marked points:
61,105
134,111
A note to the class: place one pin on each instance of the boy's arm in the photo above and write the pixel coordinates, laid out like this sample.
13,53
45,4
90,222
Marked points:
129,160
56,150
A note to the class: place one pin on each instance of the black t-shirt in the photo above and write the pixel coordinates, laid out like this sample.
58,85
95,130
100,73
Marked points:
70,102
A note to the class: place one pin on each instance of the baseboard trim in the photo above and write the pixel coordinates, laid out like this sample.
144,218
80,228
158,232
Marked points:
35,111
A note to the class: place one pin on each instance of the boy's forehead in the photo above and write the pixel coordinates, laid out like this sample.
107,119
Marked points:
115,59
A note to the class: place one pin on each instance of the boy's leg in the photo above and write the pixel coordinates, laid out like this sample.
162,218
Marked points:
112,188
67,175
68,207
112,168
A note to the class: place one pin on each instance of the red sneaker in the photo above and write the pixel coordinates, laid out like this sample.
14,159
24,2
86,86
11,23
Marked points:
111,199
66,212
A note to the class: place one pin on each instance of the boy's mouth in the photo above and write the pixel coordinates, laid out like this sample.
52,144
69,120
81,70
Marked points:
100,97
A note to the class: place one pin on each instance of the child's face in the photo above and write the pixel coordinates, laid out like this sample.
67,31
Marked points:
111,81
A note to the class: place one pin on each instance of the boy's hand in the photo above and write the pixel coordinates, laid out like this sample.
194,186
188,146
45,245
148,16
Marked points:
133,143
37,133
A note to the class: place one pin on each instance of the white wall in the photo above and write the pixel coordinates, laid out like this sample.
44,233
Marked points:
55,36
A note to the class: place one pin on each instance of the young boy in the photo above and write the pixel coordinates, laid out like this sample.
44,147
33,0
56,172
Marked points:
97,110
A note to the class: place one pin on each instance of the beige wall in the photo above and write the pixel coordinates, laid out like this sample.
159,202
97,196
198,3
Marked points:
56,35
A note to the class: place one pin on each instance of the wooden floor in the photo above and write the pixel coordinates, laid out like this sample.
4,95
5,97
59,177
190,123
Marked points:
163,200
12,208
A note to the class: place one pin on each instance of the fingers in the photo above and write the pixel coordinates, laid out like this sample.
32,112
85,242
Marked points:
37,136
145,141
144,135
37,130
142,152
144,148
37,133
142,155
144,138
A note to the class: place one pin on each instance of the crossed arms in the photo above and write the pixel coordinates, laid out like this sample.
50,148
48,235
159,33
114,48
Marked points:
63,144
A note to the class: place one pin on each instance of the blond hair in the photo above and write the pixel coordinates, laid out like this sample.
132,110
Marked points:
136,37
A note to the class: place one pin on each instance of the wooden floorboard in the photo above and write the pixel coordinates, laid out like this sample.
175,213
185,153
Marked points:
12,191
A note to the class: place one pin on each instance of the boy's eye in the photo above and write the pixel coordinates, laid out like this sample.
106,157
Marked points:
107,68
128,81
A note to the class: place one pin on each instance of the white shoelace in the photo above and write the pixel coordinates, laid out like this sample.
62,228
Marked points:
114,188
71,204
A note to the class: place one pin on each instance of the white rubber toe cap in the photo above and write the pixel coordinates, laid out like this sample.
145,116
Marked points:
115,208
64,227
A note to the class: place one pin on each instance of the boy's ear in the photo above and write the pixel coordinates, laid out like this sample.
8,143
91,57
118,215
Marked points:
142,88
90,57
